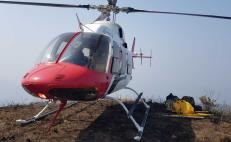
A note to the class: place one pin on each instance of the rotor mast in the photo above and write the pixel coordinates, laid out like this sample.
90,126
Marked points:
106,10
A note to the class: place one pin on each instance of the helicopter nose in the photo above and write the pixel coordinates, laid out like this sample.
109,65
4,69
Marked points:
37,81
37,90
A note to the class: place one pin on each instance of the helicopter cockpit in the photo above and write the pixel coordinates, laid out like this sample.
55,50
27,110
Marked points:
54,48
89,50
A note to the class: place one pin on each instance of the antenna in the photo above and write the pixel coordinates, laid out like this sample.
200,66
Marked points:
114,17
151,59
80,24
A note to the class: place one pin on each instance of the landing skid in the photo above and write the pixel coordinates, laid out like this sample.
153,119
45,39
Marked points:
129,112
41,114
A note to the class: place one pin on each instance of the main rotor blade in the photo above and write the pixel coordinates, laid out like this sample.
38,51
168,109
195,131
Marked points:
46,4
130,10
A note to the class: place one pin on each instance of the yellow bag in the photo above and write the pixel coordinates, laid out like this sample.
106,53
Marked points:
183,107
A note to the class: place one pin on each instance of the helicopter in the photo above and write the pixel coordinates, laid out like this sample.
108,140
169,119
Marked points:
89,64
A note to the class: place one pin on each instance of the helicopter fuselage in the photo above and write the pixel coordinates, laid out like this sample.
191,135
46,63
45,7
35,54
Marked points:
86,65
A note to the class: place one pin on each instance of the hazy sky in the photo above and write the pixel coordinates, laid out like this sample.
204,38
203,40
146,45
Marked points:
191,55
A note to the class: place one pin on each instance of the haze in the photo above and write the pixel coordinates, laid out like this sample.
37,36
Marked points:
191,55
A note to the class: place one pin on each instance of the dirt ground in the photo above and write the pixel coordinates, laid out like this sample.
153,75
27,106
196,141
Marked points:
105,121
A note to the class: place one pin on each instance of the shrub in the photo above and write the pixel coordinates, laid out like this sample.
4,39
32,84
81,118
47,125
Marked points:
208,103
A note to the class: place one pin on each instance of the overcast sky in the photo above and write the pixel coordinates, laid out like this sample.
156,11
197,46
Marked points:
191,55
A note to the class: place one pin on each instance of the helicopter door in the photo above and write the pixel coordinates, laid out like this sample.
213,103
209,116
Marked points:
101,54
117,59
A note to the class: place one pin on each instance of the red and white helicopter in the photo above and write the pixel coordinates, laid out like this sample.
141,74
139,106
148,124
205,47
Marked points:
89,64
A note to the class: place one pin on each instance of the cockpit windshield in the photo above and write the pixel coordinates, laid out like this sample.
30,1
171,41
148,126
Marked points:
89,50
54,48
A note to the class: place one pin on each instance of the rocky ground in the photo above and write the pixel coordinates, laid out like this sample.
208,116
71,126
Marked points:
105,121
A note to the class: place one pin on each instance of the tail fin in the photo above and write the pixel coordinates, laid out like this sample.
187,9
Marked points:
139,55
133,45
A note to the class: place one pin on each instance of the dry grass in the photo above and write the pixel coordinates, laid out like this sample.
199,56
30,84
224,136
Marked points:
221,112
105,121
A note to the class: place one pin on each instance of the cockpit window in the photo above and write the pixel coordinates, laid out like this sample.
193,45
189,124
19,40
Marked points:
54,48
88,50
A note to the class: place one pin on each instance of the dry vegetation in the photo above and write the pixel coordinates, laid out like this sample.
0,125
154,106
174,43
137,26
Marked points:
221,112
105,121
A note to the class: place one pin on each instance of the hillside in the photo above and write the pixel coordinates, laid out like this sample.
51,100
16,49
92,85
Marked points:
105,121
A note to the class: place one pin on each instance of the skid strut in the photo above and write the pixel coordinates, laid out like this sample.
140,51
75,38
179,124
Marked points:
41,114
139,127
61,107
